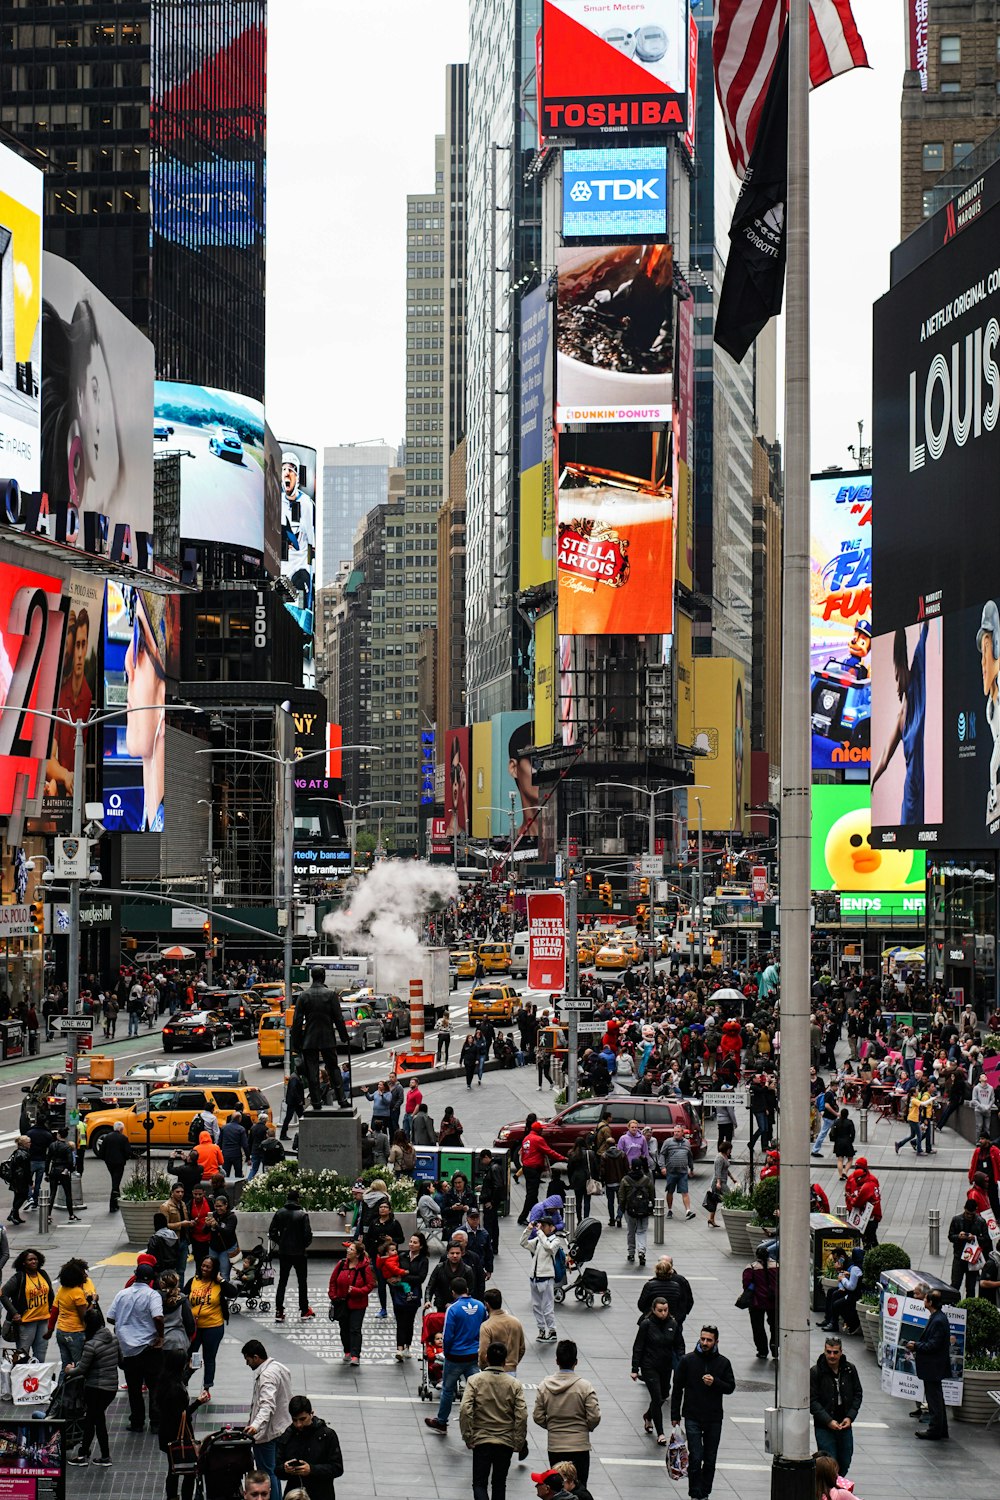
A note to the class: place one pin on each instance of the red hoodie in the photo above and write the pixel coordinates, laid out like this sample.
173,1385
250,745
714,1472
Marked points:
534,1150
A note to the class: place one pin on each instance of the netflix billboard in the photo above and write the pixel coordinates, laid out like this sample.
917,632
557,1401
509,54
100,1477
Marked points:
609,69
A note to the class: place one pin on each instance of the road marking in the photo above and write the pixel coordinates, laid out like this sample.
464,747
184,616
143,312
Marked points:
122,1258
759,1421
372,1400
659,1463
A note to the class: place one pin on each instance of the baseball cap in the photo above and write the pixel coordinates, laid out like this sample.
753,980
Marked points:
547,1475
145,1260
861,1161
359,1183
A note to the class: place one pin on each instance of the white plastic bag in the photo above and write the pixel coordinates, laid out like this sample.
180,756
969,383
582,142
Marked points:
677,1454
32,1384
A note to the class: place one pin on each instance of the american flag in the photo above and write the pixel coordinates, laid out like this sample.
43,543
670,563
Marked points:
744,49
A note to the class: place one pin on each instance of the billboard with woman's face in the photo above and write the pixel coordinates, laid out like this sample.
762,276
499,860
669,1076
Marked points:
457,780
140,653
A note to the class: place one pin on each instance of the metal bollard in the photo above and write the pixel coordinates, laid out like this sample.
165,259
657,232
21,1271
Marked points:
569,1217
558,1074
934,1231
659,1220
864,1127
77,1191
44,1207
840,1210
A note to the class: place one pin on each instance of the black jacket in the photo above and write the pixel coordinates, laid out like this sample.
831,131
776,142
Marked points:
676,1289
933,1346
318,1021
960,1225
691,1396
826,1403
115,1149
60,1159
41,1139
439,1286
319,1447
291,1230
654,1344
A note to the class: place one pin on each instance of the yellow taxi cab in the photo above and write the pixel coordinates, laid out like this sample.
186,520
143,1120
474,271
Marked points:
493,1002
586,950
270,993
495,958
172,1109
611,956
463,963
271,1037
632,951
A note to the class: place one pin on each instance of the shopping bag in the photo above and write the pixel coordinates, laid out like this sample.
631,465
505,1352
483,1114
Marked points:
33,1383
677,1454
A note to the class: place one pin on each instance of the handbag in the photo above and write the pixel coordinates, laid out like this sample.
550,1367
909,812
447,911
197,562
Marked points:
8,1331
711,1200
338,1309
32,1383
594,1188
745,1299
182,1453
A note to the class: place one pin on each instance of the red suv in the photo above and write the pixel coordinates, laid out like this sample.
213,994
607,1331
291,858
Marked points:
576,1120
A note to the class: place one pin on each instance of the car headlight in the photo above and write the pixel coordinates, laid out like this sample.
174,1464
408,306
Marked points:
503,1134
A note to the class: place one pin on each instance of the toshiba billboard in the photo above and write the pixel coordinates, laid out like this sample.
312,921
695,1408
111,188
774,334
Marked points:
609,68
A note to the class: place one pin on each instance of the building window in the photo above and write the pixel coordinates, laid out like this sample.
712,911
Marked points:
960,150
950,88
928,203
933,156
951,49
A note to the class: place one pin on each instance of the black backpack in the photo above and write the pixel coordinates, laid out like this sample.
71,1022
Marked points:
640,1203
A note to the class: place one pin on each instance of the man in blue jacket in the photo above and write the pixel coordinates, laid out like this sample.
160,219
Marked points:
462,1323
932,1351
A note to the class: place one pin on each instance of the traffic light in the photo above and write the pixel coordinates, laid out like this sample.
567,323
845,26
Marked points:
38,914
605,893
644,886
641,913
206,928
589,881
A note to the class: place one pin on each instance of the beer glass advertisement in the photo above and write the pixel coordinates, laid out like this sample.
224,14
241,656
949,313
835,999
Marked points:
605,71
614,333
936,548
616,544
20,319
222,487
840,607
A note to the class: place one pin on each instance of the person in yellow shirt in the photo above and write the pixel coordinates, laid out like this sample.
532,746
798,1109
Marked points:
75,1295
27,1300
209,1298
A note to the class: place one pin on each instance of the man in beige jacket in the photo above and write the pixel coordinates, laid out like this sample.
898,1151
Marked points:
493,1420
501,1328
567,1407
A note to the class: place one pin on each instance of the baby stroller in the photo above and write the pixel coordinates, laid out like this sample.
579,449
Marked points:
66,1405
590,1282
431,1355
223,1459
254,1274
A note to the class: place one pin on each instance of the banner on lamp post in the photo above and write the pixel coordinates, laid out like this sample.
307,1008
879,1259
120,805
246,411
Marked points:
546,940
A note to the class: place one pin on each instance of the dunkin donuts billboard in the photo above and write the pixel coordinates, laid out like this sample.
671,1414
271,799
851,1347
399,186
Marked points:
616,538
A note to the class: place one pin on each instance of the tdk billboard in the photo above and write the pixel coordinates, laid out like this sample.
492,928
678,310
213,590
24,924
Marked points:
615,194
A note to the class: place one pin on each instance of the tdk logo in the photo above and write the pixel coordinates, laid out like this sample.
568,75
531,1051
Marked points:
617,190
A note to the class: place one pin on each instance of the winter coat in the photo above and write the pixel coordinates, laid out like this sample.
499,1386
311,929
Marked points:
502,1328
319,1447
542,1247
676,1289
353,1283
536,1151
654,1344
99,1361
442,1276
115,1149
493,1410
567,1407
691,1396
629,1190
765,1285
842,1135
291,1231
272,1391
424,1133
932,1352
826,1403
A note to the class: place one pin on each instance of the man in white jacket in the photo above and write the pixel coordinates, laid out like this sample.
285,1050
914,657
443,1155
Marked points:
272,1391
543,1242
983,1101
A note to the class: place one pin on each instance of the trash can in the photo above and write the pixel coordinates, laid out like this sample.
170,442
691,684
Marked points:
829,1235
12,1039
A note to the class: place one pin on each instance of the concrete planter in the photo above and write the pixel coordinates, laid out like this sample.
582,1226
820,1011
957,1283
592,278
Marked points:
737,1222
869,1326
329,1229
976,1405
138,1221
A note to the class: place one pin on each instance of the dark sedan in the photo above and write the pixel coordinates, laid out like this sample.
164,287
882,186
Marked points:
202,1028
236,1007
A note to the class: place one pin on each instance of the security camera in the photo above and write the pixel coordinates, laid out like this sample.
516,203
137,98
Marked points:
48,876
95,877
29,865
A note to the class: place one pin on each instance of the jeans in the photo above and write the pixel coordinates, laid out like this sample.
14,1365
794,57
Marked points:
221,1258
824,1131
761,1131
208,1341
543,1303
636,1233
140,1370
582,1205
983,1117
265,1456
491,1223
70,1347
656,1379
961,1269
443,1047
183,1251
490,1462
480,1065
703,1440
37,1173
233,1164
133,1023
31,1338
454,1369
913,1139
611,1193
286,1265
95,1424
839,1445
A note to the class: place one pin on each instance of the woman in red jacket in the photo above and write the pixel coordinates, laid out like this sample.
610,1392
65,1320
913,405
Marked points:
351,1284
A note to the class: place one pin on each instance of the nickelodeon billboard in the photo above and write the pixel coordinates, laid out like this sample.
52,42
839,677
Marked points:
721,714
840,626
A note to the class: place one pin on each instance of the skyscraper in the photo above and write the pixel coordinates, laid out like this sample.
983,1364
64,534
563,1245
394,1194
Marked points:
355,480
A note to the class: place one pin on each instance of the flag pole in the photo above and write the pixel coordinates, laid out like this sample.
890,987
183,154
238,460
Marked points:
793,1470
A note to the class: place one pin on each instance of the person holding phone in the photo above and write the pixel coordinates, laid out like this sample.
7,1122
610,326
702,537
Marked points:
308,1452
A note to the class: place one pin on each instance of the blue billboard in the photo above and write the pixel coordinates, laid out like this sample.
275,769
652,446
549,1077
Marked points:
611,194
208,203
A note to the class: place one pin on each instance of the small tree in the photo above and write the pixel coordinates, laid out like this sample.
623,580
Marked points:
885,1257
765,1200
982,1326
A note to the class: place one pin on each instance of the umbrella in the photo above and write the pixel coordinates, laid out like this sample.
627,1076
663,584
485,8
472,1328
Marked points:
178,951
726,994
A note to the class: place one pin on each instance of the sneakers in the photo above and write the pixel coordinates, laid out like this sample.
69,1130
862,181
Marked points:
80,1459
670,1213
308,1313
690,1214
381,1313
279,1317
642,1257
346,1359
542,1336
74,1219
102,1462
551,1336
355,1361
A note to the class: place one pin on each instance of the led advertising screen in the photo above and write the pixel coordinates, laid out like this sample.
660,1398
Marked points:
873,882
97,410
721,742
20,320
609,68
79,690
538,521
298,531
458,781
936,549
141,644
32,625
840,627
513,734
614,194
32,1452
208,203
616,546
614,332
222,483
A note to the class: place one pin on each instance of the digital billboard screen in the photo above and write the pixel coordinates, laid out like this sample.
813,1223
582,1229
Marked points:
97,408
614,332
513,771
141,645
721,743
222,479
614,193
615,551
609,68
840,626
537,489
32,627
208,203
872,882
936,547
79,690
20,319
298,531
458,779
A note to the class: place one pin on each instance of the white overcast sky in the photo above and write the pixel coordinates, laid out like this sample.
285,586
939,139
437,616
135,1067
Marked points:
355,98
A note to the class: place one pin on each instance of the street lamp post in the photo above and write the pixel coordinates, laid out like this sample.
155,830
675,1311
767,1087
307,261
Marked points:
356,807
701,889
210,892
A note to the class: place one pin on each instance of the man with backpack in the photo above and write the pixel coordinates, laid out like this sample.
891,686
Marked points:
291,1233
637,1196
59,1164
16,1173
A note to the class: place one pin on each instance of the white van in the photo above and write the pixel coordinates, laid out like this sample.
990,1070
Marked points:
519,954
342,973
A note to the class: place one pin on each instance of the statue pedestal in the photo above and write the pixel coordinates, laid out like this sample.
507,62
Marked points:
330,1140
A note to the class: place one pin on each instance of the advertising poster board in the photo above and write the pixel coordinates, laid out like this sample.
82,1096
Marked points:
222,484
604,71
537,498
614,333
141,646
872,881
79,693
20,319
903,1321
481,740
32,626
298,533
32,1457
615,193
546,941
458,781
512,735
840,627
720,738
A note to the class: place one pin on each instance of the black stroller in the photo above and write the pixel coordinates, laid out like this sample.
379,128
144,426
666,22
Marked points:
224,1458
255,1273
66,1405
590,1282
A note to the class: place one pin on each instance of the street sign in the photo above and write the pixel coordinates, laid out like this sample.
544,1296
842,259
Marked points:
651,865
123,1091
73,1023
758,882
714,1098
591,1028
565,1004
